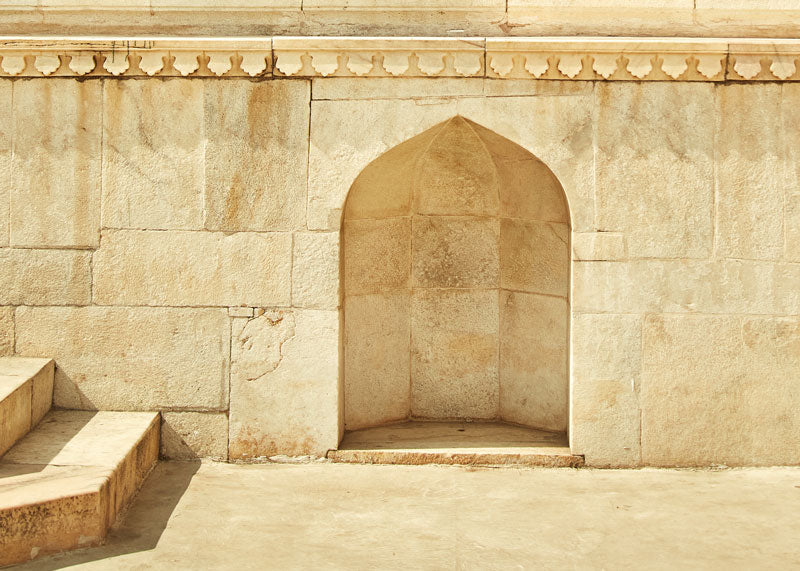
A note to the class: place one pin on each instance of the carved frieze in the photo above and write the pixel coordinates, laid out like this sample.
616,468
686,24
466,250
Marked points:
593,59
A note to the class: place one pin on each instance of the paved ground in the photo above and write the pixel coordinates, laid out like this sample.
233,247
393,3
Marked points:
332,516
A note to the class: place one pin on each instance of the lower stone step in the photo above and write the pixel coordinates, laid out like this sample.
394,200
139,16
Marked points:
63,485
26,393
460,443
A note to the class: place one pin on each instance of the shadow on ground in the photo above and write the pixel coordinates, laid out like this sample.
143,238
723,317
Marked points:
140,528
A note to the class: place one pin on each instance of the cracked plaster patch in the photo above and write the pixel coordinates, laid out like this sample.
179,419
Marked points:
258,343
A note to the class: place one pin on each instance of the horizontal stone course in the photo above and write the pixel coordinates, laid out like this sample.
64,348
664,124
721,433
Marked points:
44,277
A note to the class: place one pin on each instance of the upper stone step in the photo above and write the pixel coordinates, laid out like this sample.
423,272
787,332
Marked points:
26,394
63,485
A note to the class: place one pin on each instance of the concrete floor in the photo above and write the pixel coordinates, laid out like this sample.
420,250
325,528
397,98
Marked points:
337,516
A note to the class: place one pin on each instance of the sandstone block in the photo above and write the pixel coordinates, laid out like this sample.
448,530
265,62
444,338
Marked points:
187,435
315,270
193,268
6,331
394,88
454,353
749,172
154,148
720,390
590,246
44,277
534,256
257,154
15,410
793,228
455,251
6,129
377,255
675,164
134,358
240,311
534,381
606,346
285,384
55,193
606,422
728,286
377,375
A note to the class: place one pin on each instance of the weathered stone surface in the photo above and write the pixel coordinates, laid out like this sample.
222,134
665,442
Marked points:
193,268
749,172
15,410
790,153
377,255
534,386
6,331
55,193
454,353
41,387
655,167
606,368
793,228
606,422
134,357
154,147
44,277
606,346
719,390
589,246
284,384
6,129
257,154
455,251
728,286
187,435
555,128
534,256
315,270
393,88
377,375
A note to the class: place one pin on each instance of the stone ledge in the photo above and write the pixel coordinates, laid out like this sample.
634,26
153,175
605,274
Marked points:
589,58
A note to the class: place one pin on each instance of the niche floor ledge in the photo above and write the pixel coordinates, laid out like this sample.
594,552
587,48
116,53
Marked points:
462,443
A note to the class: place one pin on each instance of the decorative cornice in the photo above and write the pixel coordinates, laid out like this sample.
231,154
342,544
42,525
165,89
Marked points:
626,59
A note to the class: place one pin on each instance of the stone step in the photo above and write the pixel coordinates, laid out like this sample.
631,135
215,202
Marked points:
26,394
63,485
459,443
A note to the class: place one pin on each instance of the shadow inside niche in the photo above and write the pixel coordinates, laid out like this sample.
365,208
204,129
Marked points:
140,528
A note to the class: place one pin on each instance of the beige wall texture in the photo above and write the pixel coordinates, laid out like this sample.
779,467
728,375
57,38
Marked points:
174,245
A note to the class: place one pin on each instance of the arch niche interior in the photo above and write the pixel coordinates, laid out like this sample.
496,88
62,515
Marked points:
456,261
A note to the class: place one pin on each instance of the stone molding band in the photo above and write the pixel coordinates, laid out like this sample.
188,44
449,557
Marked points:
631,59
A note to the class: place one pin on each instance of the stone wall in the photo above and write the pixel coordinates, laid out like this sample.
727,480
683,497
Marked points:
174,245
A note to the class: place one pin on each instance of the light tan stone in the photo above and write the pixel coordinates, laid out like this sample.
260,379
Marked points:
44,277
534,257
187,435
606,421
15,410
284,384
193,268
154,149
315,270
257,154
793,228
456,174
655,182
534,381
454,354
377,255
55,193
41,388
749,172
241,311
678,286
373,88
6,331
377,375
555,128
717,390
589,246
134,358
6,129
606,346
455,251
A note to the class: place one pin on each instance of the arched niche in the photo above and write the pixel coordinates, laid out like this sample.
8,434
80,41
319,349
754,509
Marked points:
455,269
